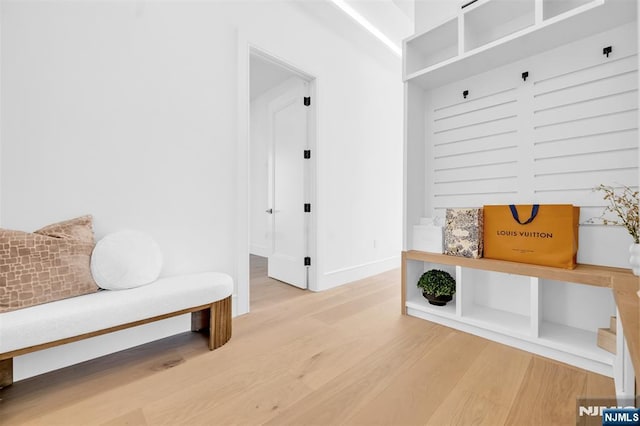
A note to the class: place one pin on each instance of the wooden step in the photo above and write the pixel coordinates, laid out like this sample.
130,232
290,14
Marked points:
607,340
613,325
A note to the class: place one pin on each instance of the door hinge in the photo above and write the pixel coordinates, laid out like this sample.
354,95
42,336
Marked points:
307,261
307,208
307,100
307,154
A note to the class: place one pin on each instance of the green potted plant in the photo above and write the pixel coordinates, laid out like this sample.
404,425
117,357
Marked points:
437,286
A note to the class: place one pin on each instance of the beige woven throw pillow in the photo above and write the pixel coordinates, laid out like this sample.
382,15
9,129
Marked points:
50,264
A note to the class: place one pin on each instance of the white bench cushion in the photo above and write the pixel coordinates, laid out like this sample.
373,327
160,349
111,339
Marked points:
84,314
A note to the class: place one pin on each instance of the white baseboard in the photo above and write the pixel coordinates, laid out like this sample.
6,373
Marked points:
342,276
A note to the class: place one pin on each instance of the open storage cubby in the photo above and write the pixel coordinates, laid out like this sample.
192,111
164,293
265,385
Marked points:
488,21
553,8
498,300
435,46
526,306
415,299
491,33
564,303
565,324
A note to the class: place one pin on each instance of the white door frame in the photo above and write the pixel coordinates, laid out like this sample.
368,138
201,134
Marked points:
245,49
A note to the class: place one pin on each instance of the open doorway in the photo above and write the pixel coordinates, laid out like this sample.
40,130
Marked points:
280,177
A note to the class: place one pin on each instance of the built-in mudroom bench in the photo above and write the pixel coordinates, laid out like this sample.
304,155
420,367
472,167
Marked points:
522,305
527,102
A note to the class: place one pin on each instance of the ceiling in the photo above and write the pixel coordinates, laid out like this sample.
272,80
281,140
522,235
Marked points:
406,7
394,18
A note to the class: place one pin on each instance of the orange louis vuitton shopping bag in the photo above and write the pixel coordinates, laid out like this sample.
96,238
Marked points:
540,234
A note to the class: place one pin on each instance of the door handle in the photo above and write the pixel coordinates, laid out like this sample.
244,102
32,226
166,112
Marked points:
270,211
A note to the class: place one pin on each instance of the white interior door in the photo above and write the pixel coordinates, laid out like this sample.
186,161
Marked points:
288,130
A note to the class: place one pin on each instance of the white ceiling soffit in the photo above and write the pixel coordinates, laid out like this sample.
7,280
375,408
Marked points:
340,23
388,16
407,7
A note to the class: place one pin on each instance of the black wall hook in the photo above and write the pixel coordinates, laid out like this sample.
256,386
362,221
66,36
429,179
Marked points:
465,94
607,50
525,75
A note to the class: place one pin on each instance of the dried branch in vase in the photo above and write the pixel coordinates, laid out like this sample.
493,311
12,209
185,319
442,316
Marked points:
622,204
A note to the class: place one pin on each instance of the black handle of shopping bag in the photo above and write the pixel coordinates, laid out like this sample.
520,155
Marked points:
534,213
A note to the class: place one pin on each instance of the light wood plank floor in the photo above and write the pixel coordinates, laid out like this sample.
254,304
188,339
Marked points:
344,356
266,291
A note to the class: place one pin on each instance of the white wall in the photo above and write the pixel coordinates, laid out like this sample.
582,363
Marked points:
359,177
1,91
128,111
260,243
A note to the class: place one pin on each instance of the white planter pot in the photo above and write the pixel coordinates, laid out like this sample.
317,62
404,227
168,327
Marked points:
634,258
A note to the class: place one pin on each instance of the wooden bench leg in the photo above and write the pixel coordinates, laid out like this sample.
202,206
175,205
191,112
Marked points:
6,372
220,323
200,319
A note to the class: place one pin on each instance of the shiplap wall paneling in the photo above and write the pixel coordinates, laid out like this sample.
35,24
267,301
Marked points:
585,132
585,122
572,125
473,146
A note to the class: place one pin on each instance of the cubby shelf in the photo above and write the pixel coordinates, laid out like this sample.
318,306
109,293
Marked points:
440,44
490,39
527,328
573,340
420,304
498,320
485,22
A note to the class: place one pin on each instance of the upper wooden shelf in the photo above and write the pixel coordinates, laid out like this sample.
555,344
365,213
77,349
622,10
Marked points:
478,53
601,276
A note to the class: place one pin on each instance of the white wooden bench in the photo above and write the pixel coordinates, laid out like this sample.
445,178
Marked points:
207,296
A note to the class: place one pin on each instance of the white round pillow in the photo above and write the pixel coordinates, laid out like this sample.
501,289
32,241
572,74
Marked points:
125,259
